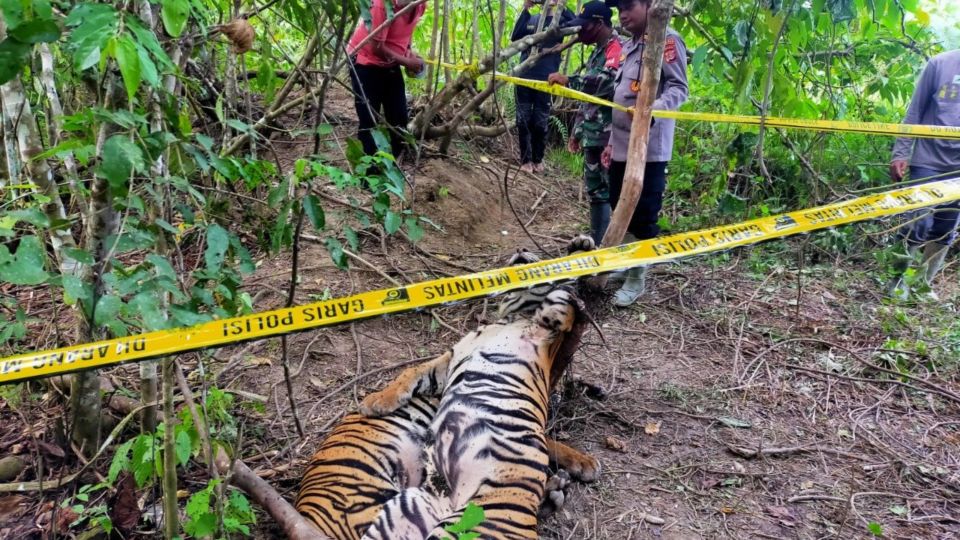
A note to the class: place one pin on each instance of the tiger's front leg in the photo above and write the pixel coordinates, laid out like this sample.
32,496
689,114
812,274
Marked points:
580,465
425,379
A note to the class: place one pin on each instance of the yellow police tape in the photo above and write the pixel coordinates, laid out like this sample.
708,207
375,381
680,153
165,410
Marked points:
447,290
873,128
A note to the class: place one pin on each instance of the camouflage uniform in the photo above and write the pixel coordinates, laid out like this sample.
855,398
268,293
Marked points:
592,126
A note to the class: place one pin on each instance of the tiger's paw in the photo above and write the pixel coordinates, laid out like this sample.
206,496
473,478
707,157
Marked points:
581,466
580,243
522,256
558,311
379,404
555,494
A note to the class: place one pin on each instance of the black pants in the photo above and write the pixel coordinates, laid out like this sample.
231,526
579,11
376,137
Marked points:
533,113
375,89
643,225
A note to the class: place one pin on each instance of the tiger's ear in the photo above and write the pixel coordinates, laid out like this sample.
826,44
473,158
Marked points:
522,256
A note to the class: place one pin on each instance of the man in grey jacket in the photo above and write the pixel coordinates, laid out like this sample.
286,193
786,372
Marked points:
671,93
935,102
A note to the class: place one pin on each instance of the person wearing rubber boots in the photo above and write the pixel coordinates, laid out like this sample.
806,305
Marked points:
671,93
935,102
591,129
533,106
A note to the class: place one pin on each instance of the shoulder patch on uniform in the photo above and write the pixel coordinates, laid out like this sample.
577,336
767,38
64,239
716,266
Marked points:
670,50
614,55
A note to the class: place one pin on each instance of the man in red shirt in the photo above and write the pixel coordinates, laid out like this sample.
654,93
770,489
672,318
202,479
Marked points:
375,71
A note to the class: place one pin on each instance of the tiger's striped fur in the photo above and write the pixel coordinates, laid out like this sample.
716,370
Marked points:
371,468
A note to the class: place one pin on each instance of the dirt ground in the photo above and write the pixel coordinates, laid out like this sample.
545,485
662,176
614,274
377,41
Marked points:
745,397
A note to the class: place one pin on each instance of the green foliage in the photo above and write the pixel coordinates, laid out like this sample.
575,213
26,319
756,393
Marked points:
90,506
202,518
463,528
875,529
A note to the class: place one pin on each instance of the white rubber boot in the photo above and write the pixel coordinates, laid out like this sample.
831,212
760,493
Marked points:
934,255
634,285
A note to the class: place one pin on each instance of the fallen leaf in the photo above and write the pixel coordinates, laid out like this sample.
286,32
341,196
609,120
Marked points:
484,159
806,484
780,512
652,428
783,515
734,422
124,510
318,383
11,507
727,510
50,449
65,518
259,361
614,443
738,467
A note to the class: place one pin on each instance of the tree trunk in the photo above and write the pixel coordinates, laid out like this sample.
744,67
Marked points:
55,122
17,111
171,515
658,18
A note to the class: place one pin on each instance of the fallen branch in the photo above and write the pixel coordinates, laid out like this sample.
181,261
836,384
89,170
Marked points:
293,524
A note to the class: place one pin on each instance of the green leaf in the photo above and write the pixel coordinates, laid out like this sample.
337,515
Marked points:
12,13
875,529
94,24
352,239
472,516
414,230
174,14
183,447
121,159
148,69
80,255
108,307
76,289
146,305
36,31
183,316
13,56
120,462
311,205
144,459
26,266
218,240
392,221
335,248
128,59
33,216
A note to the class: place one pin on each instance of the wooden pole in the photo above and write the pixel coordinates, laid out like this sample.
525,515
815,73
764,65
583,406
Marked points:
657,20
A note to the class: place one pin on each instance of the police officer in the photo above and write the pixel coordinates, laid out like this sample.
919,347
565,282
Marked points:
591,129
671,93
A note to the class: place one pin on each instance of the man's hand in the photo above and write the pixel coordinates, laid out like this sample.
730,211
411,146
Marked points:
606,158
414,63
573,145
528,4
558,79
898,168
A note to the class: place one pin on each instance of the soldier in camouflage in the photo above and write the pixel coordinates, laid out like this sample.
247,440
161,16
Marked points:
591,131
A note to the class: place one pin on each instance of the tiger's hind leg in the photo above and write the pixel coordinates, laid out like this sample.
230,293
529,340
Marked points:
427,379
580,465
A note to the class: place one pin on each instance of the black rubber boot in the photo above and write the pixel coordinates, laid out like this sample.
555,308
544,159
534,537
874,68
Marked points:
599,219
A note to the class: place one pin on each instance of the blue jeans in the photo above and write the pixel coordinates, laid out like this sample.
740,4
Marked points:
937,224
